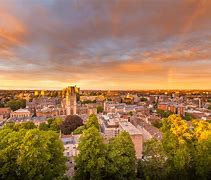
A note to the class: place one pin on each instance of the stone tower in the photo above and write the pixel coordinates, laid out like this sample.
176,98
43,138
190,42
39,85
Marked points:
70,100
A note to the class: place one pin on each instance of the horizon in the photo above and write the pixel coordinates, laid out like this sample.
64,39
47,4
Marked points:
40,89
138,45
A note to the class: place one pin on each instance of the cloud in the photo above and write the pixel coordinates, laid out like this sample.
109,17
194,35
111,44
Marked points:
107,43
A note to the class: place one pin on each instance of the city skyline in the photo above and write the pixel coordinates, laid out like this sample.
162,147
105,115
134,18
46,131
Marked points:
116,45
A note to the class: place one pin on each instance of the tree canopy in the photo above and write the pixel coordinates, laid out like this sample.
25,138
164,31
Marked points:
121,158
91,161
99,160
92,121
70,123
32,154
16,104
185,149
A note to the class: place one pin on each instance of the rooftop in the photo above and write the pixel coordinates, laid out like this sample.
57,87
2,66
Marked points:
22,111
130,128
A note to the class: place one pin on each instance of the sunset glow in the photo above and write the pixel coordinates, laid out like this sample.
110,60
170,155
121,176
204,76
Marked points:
143,44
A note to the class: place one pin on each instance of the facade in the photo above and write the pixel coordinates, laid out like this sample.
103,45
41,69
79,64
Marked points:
173,107
109,126
5,112
87,109
135,135
49,112
20,113
70,145
71,100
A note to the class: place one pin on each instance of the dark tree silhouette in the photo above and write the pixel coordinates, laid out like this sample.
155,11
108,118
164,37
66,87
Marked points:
71,123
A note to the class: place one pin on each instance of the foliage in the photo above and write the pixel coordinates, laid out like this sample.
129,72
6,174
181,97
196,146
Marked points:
143,99
88,102
25,125
91,160
99,109
9,125
43,126
121,158
131,113
16,104
52,124
1,104
92,121
188,117
155,161
70,123
163,114
79,130
184,152
55,124
32,154
157,124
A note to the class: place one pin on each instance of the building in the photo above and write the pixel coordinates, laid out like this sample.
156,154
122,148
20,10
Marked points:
173,107
87,109
135,135
70,145
20,113
5,113
109,126
71,100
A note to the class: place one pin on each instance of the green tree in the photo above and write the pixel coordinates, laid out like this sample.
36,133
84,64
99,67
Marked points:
163,114
99,109
9,125
43,126
55,124
25,125
188,117
121,158
16,104
32,154
1,104
92,121
79,130
90,162
154,163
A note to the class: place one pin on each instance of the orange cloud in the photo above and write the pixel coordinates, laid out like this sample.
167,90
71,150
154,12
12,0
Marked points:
11,29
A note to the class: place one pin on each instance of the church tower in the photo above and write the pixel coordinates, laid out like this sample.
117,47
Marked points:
70,100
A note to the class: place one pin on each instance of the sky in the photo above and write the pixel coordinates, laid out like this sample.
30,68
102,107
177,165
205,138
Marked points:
105,44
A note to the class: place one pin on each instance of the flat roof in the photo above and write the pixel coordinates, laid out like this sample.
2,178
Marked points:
130,128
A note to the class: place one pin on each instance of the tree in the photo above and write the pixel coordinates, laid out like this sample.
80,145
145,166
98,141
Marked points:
176,138
99,109
143,99
32,154
9,125
163,114
16,104
92,121
1,104
79,130
154,164
121,158
25,125
202,143
90,162
43,126
71,123
188,117
55,124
